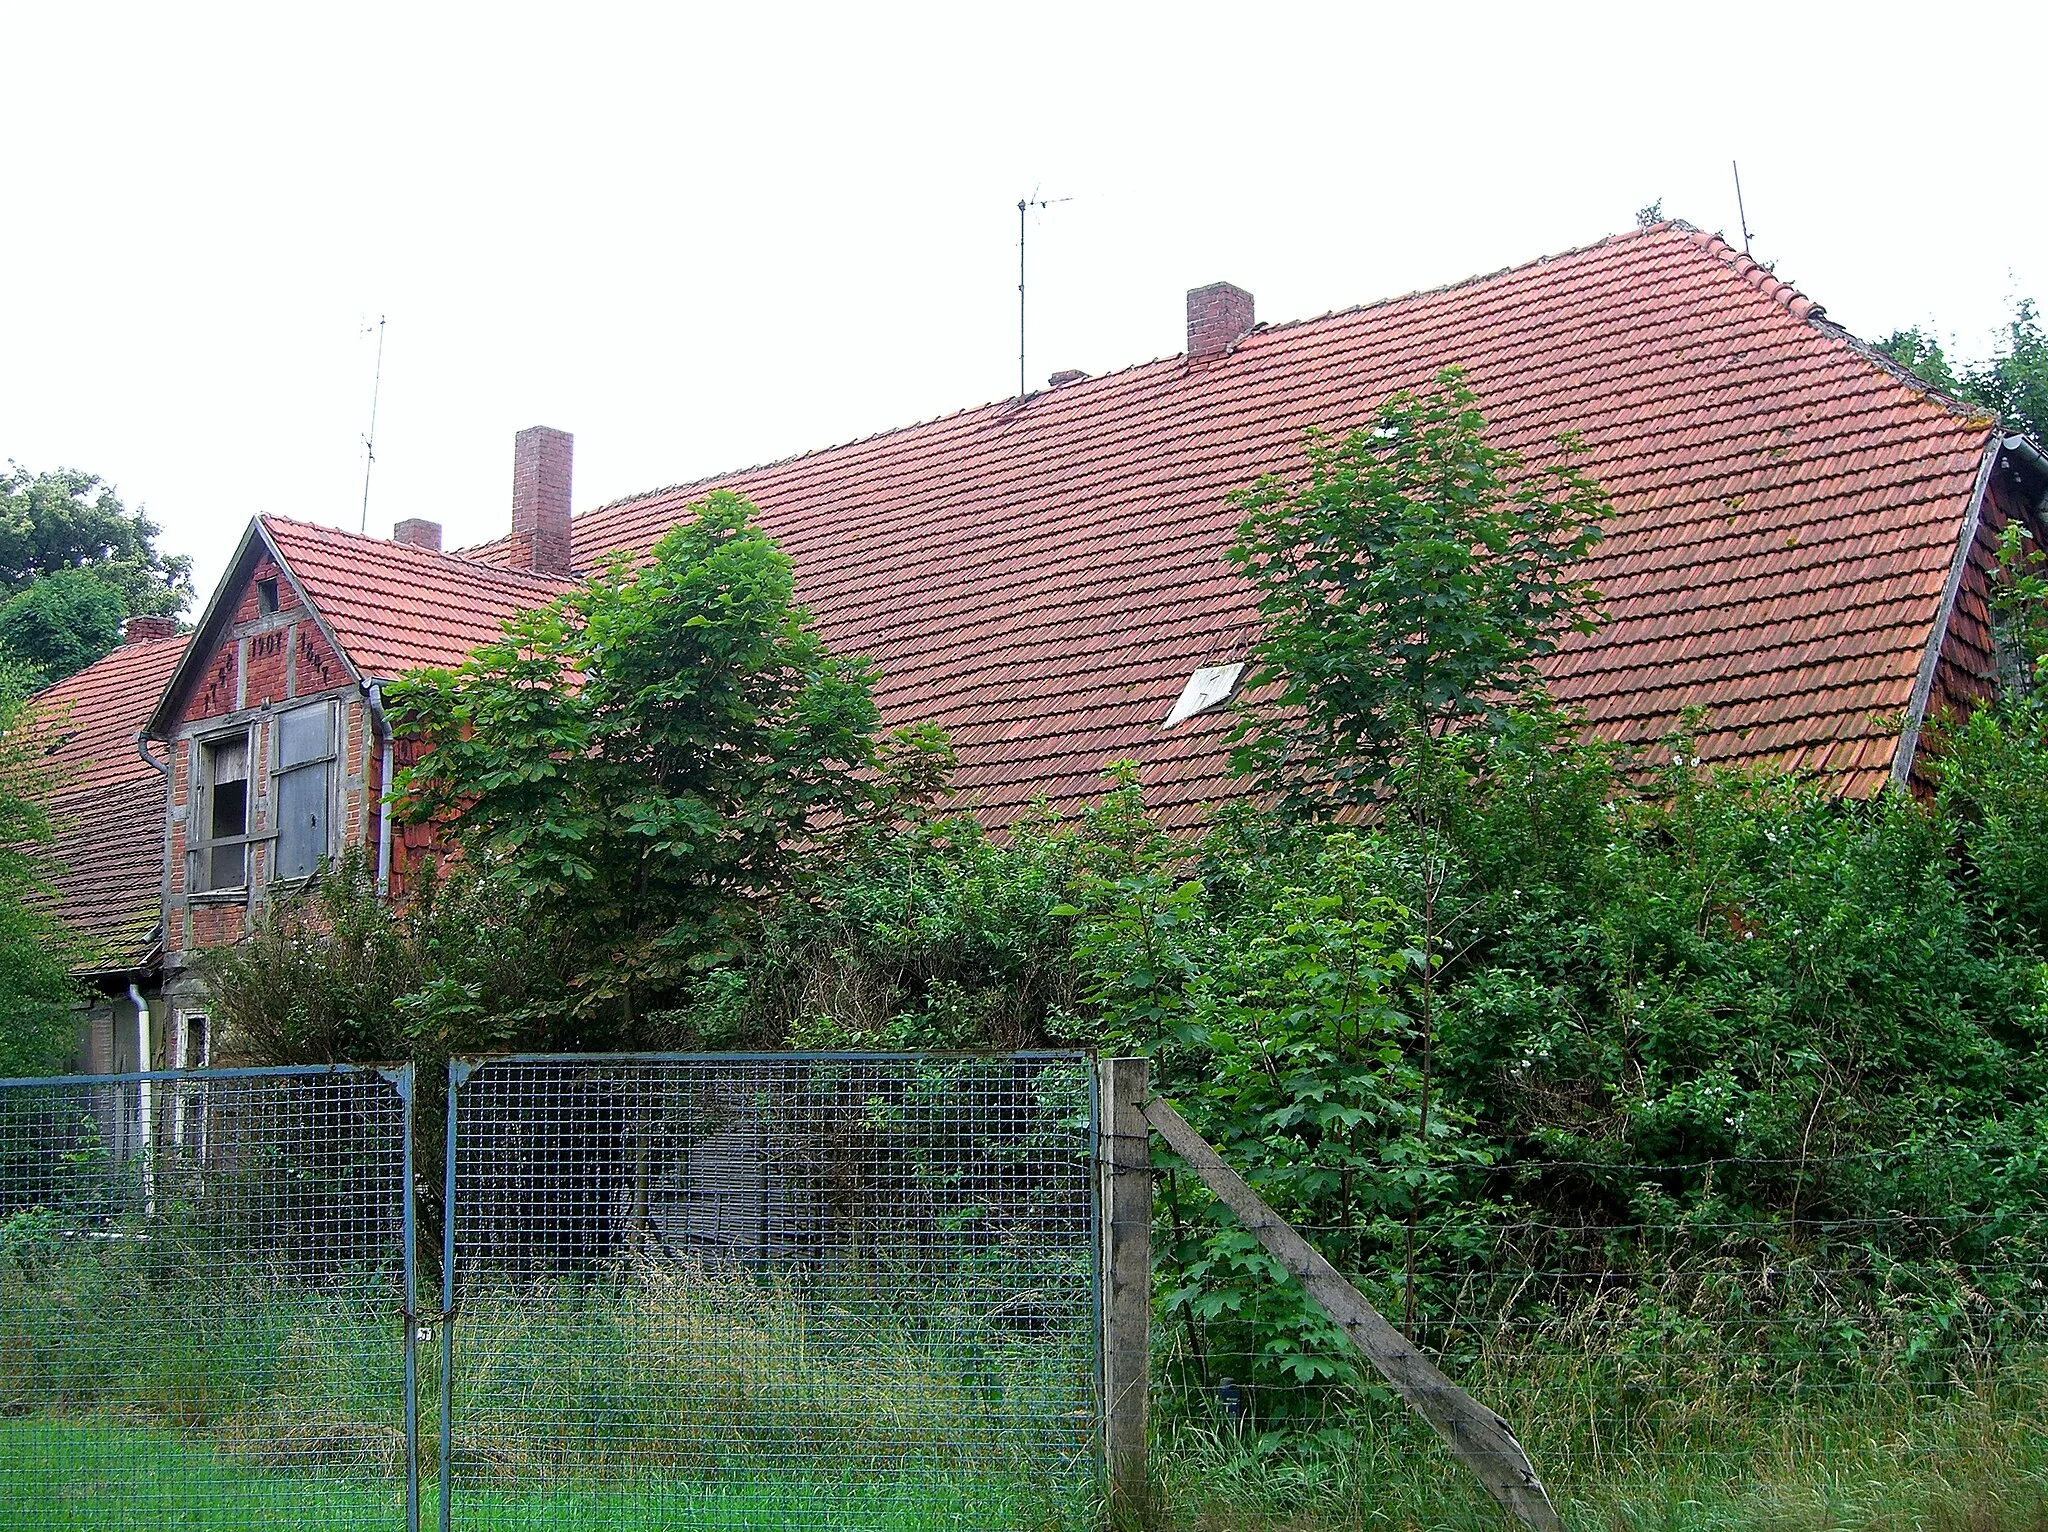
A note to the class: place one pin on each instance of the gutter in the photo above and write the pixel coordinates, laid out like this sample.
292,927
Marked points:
2023,449
373,695
1937,637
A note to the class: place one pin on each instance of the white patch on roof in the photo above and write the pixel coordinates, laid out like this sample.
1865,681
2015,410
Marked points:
1209,687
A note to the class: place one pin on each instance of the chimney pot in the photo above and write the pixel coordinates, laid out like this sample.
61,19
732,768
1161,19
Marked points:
1219,316
147,630
419,532
541,461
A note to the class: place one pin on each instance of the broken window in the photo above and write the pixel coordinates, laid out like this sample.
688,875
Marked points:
220,821
305,780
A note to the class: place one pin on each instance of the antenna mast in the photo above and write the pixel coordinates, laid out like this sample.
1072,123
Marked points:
1025,204
370,436
1740,216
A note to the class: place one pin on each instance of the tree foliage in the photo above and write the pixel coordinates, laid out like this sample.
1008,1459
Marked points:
2013,382
69,528
463,965
1409,578
61,623
650,756
37,1020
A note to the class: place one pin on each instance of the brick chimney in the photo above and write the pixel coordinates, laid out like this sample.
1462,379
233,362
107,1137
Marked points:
147,630
540,495
1219,316
419,532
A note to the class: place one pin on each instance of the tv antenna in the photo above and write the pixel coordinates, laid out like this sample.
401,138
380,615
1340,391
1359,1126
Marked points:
370,436
1740,216
1025,204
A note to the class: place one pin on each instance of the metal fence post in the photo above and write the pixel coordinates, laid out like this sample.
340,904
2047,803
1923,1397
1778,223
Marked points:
401,1079
1124,1164
459,1070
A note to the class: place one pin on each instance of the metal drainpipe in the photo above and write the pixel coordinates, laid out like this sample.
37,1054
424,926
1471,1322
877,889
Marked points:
142,749
375,697
144,1146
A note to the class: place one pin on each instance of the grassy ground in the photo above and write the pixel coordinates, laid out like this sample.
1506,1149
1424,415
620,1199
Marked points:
1967,1465
56,1476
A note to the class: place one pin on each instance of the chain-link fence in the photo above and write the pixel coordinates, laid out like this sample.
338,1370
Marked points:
204,1280
771,1291
1850,1340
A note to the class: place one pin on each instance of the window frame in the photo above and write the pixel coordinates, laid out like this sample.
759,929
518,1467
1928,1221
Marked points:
279,770
200,845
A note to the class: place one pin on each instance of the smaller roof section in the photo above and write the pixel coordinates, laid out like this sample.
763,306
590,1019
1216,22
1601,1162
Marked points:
106,803
394,607
89,721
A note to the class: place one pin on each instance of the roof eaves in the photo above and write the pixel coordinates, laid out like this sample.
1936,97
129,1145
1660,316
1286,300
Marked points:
1937,635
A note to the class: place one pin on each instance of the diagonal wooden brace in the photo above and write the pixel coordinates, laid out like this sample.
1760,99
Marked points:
1480,1438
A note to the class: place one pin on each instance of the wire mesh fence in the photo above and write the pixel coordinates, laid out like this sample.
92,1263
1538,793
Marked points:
204,1279
1747,1340
770,1291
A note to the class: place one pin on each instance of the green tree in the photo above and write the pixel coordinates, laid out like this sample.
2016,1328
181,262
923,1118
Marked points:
651,757
1409,580
37,1019
66,521
61,623
2013,382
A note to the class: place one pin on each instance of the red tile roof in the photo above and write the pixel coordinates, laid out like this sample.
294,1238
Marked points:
395,607
1041,578
107,803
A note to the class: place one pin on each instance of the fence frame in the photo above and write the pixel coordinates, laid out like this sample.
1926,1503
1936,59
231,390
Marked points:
461,1070
402,1080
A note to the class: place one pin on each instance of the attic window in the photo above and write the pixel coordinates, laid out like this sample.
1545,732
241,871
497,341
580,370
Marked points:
1209,687
266,597
305,761
219,846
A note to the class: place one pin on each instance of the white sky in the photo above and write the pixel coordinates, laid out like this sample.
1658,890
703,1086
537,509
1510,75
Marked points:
701,237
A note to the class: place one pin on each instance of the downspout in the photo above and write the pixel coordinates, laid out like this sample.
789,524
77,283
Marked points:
374,695
144,1147
143,1104
142,749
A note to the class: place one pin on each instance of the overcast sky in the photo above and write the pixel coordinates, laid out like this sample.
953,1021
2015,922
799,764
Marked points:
703,237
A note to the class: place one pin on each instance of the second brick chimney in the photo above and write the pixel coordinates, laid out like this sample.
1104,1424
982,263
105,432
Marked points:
1219,316
540,496
147,630
418,531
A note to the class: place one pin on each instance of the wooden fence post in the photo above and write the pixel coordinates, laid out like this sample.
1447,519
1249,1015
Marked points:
1123,1160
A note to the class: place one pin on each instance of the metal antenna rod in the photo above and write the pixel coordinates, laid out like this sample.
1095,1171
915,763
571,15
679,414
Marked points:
1740,216
370,436
1024,204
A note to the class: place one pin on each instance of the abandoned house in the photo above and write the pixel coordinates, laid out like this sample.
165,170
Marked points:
1801,546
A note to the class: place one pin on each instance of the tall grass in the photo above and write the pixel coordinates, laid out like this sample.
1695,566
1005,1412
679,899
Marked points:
1970,1457
675,1368
666,1391
654,1385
